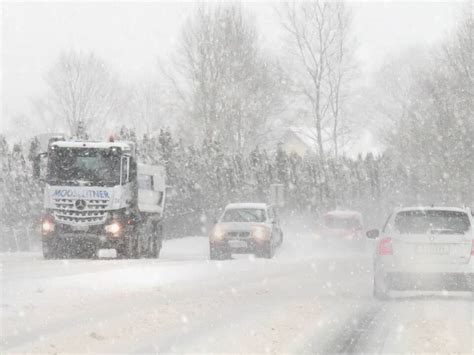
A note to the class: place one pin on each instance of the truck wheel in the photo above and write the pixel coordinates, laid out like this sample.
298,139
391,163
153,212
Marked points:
155,243
135,247
49,249
129,248
154,247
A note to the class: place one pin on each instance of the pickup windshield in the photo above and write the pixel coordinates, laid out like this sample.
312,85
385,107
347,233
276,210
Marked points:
99,167
441,222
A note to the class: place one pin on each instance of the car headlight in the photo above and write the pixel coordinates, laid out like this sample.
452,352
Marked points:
113,228
217,233
260,232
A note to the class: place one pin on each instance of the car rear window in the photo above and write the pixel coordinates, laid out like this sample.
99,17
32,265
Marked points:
440,222
244,215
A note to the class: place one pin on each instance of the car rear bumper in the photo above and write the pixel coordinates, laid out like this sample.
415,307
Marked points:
389,265
425,276
430,281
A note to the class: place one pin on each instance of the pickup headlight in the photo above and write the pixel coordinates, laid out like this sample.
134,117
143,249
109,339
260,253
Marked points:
260,232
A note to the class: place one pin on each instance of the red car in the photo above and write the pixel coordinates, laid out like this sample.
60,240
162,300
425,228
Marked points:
344,226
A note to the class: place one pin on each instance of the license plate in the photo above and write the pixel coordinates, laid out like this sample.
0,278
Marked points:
107,253
237,244
432,249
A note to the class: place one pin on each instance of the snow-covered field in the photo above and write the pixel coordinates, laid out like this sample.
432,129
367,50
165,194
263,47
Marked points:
306,299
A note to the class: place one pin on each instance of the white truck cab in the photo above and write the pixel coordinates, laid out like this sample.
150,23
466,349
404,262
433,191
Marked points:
97,196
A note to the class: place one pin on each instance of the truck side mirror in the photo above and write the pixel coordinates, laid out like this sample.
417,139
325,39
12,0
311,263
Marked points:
124,170
37,165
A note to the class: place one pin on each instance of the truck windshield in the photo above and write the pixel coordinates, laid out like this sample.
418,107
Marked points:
95,166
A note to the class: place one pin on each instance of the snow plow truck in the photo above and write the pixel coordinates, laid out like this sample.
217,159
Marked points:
97,198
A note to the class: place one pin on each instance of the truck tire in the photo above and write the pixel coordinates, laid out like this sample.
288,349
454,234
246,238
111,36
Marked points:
155,242
128,250
134,251
50,250
155,248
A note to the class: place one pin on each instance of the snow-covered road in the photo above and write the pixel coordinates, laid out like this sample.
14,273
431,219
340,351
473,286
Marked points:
303,300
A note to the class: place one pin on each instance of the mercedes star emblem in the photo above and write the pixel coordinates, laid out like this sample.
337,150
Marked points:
80,204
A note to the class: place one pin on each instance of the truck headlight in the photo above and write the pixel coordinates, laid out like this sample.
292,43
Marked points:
260,232
217,233
113,228
47,226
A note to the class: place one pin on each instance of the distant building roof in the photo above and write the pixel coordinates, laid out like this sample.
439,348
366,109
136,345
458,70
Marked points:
307,135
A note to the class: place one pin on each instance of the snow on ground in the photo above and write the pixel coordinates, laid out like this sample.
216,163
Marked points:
306,299
442,324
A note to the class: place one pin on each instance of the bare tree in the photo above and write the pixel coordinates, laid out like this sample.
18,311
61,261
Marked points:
429,105
83,92
341,71
228,91
319,34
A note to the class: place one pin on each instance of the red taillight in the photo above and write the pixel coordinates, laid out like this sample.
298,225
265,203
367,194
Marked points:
385,246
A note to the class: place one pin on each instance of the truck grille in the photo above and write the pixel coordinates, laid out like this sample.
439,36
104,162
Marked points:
91,211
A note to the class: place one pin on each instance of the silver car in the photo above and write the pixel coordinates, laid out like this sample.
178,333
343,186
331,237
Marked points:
424,249
246,228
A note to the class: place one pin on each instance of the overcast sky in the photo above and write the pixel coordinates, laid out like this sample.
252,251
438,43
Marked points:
130,36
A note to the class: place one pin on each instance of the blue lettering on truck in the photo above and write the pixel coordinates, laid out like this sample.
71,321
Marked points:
66,193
